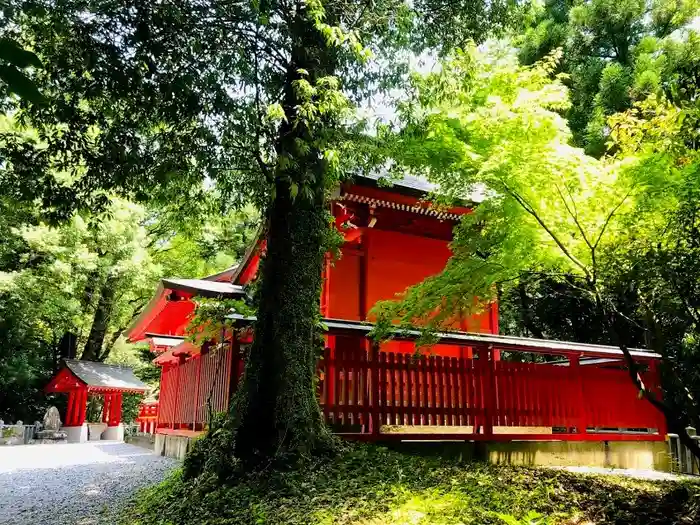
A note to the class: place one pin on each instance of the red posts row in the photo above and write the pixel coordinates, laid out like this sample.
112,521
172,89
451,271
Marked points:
189,390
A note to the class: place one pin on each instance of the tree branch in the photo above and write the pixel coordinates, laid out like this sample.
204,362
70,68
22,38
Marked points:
529,209
609,217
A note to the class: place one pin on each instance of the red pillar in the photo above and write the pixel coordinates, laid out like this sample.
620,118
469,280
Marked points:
115,410
82,398
362,278
326,291
493,327
106,407
70,409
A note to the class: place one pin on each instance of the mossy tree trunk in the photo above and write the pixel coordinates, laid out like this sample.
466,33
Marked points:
100,323
276,408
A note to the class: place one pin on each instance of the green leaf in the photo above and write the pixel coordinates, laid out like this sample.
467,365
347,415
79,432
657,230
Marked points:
20,84
11,52
294,190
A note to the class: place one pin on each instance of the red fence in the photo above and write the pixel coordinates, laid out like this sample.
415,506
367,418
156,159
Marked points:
372,394
190,390
479,398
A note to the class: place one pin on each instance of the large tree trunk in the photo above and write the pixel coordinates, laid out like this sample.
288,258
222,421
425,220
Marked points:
100,323
277,408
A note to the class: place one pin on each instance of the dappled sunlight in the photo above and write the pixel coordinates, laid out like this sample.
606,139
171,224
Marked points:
370,485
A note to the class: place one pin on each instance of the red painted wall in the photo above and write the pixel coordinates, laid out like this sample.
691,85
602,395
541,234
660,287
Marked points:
398,260
345,286
395,262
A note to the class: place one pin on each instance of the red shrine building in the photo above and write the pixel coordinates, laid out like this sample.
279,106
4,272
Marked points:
84,379
474,384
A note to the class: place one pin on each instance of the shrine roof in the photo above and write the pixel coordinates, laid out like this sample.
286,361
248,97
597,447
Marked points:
97,376
500,342
410,185
204,288
165,340
167,316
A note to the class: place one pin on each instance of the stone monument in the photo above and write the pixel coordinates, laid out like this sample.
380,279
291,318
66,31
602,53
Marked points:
52,425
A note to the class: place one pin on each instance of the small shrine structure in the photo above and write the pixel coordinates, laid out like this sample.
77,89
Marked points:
81,379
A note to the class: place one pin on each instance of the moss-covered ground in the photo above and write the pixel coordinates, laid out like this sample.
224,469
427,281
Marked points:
372,485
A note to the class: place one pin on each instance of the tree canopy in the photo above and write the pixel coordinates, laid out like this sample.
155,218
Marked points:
71,290
613,231
615,53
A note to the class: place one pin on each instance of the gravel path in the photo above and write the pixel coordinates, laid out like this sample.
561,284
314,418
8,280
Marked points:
73,484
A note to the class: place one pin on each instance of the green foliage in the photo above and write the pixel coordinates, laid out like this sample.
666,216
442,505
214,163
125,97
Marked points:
14,59
69,273
600,233
370,484
466,132
531,518
611,54
55,280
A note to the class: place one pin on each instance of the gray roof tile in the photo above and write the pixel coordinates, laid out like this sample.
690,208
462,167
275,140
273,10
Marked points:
105,376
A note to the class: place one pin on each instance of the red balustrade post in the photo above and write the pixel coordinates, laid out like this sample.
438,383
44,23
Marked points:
195,399
580,398
374,398
489,377
330,375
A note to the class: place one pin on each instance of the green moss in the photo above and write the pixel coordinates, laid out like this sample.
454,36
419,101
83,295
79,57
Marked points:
373,485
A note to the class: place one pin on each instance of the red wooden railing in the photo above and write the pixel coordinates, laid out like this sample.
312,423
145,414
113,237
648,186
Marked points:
147,417
370,394
189,390
362,393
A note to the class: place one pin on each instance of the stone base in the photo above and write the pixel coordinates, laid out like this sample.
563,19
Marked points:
76,434
95,431
114,433
174,443
13,440
50,435
638,455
